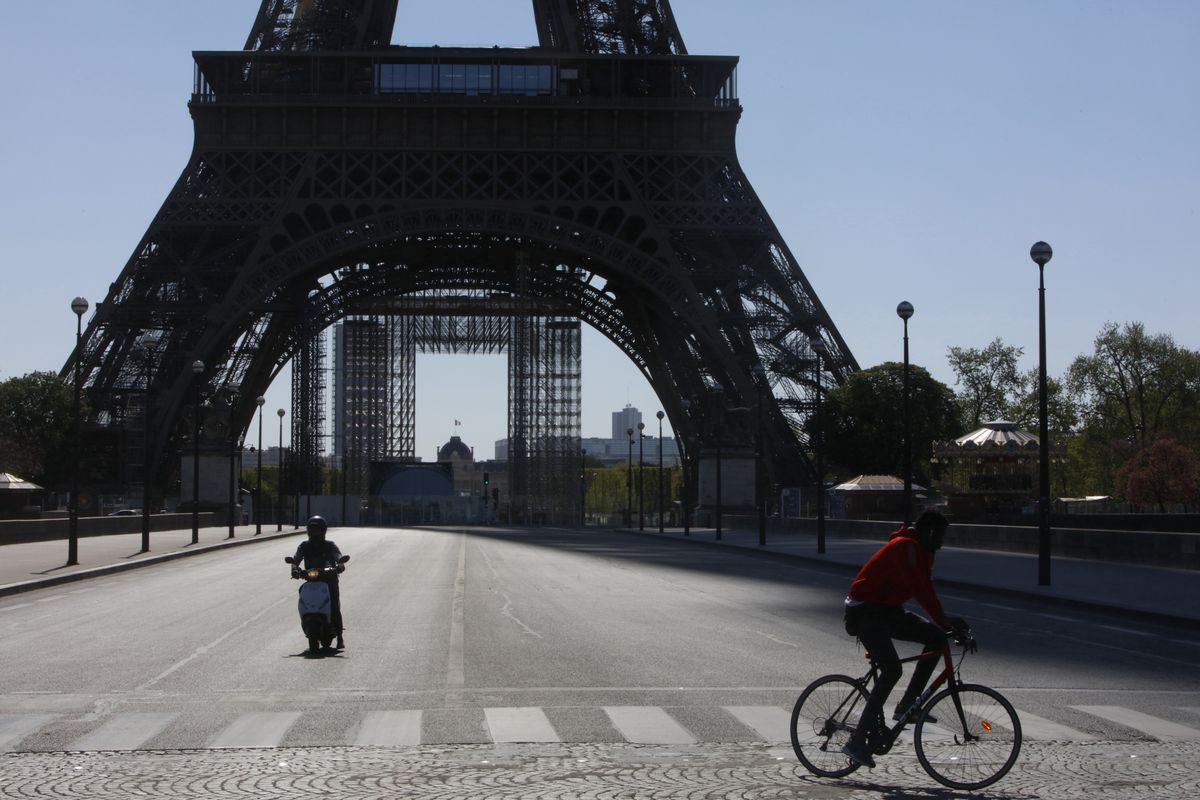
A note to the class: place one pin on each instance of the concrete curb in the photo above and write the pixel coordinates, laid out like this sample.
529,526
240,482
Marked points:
1019,594
109,569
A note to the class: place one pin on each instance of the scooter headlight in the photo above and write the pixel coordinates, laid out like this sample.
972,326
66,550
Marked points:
313,574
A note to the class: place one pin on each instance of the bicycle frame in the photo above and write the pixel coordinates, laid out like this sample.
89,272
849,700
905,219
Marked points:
948,675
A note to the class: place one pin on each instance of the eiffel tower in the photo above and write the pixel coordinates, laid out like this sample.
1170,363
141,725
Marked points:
595,173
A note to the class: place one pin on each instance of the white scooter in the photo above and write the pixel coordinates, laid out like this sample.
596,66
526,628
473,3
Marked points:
316,606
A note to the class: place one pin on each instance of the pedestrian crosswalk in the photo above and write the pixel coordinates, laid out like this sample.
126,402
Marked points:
528,724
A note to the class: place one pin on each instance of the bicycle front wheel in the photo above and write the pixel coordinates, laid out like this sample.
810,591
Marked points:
974,741
822,721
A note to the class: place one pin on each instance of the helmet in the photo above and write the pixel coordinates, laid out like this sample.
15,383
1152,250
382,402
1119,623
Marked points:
317,527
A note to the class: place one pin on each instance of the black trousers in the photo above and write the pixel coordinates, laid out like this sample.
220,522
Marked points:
876,626
335,604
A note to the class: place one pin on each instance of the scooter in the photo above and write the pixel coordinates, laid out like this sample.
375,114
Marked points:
316,607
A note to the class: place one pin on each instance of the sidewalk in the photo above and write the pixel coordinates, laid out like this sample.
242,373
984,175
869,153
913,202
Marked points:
1163,594
36,565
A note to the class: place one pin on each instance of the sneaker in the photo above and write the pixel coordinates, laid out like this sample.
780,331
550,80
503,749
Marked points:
859,754
341,643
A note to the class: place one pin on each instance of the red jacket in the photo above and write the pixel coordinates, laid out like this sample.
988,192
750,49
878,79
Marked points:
901,570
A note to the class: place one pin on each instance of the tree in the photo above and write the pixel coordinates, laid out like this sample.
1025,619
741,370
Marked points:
1162,472
1134,389
990,379
863,421
37,427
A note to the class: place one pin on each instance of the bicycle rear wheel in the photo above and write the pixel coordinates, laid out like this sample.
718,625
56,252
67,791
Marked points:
822,721
971,749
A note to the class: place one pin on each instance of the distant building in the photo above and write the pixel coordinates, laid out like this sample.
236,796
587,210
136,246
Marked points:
625,420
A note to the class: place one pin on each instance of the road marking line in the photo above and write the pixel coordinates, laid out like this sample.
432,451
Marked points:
455,671
390,728
1160,729
1002,608
1124,630
15,727
647,725
528,724
257,729
125,732
1035,727
14,608
772,723
1056,616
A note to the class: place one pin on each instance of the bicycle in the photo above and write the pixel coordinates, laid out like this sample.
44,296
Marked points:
967,736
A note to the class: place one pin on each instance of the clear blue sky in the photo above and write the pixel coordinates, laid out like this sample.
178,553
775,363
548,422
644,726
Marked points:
907,151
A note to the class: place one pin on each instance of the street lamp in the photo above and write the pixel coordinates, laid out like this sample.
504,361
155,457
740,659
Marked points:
904,311
80,306
819,350
260,402
629,481
760,500
582,488
641,475
719,392
685,462
197,371
149,343
1041,254
279,477
660,416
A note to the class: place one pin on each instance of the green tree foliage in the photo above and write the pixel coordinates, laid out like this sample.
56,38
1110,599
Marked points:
1134,389
37,428
863,421
608,492
1164,472
991,382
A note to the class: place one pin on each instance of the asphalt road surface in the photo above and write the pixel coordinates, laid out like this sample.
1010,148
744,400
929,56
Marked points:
497,637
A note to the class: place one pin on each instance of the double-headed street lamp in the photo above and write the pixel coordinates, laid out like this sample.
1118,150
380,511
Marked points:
660,416
819,349
260,402
1041,254
279,476
629,481
197,371
641,426
80,306
904,311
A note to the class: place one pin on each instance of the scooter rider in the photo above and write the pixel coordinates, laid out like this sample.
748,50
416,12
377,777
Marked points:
317,552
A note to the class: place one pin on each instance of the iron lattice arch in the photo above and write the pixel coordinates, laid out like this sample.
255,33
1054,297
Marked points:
597,172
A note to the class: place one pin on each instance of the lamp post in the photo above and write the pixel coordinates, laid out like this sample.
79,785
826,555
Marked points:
720,414
80,306
629,481
197,371
234,451
260,402
904,311
582,488
660,416
819,350
641,426
149,344
279,477
1041,254
685,462
760,500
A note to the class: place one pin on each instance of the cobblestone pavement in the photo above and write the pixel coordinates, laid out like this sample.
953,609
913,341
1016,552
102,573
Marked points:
1046,771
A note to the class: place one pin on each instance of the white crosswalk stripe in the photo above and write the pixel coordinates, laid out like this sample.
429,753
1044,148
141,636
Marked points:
769,722
648,725
123,732
390,728
520,725
260,729
1160,729
1040,728
15,727
636,724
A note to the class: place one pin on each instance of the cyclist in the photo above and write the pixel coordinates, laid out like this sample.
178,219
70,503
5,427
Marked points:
900,571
